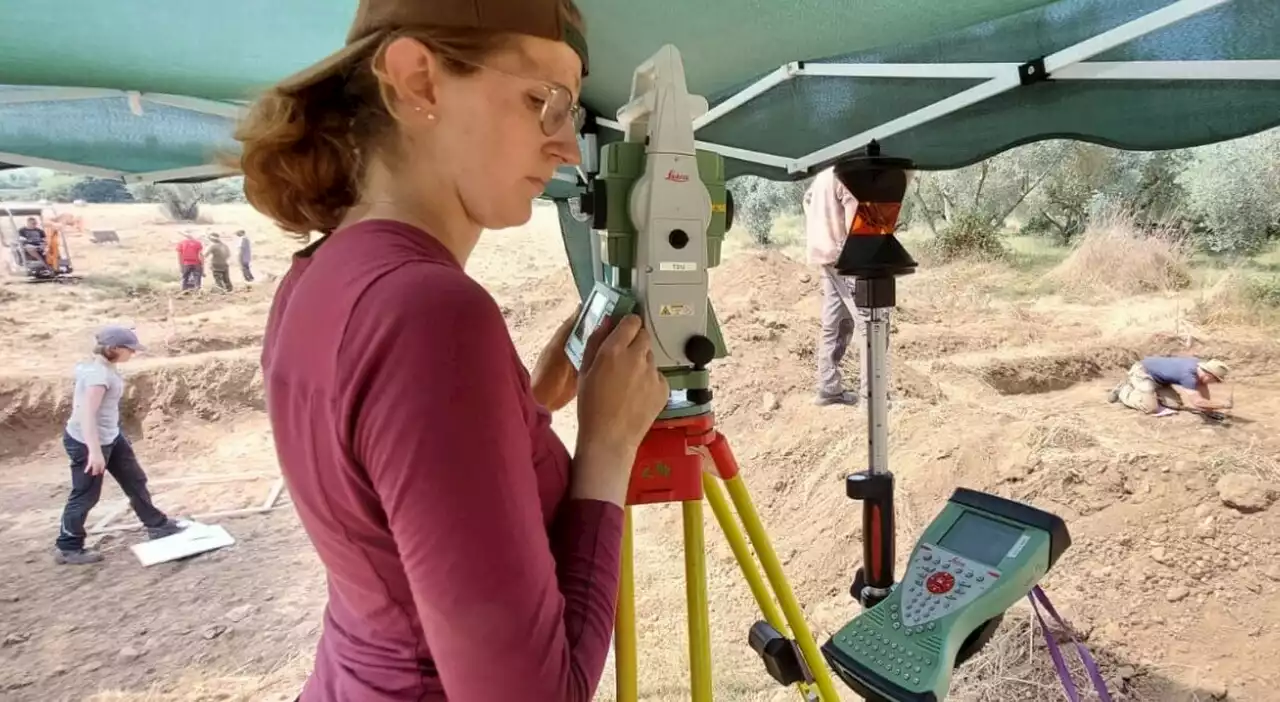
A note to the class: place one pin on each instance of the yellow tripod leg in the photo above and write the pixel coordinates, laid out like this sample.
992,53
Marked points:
695,585
742,554
773,570
624,630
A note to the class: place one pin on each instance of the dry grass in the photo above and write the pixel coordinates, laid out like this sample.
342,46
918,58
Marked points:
281,684
961,285
1067,433
1240,298
1012,666
1243,457
138,281
1115,259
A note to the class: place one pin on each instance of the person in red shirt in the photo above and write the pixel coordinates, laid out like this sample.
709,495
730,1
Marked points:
469,556
191,262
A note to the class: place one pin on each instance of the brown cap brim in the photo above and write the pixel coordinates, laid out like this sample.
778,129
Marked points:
331,65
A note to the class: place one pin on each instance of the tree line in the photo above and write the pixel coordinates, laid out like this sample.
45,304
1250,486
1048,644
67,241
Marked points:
181,201
1222,198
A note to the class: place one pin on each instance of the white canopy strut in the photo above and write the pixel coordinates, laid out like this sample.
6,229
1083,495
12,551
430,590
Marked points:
1066,64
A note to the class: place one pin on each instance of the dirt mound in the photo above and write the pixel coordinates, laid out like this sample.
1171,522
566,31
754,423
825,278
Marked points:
558,285
531,312
930,344
34,410
758,280
208,389
160,303
205,344
31,413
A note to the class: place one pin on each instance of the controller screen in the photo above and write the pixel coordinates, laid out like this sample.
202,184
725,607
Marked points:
979,538
590,320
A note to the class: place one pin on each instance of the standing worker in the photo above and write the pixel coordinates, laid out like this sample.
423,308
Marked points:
245,255
456,531
829,209
190,261
1150,384
219,262
95,444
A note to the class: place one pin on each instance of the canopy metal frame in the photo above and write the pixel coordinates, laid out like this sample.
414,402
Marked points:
1069,63
137,104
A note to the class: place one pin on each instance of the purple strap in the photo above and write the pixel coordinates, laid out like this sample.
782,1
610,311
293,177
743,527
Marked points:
1090,667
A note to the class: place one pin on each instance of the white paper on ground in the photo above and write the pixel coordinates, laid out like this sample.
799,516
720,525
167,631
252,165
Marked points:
195,539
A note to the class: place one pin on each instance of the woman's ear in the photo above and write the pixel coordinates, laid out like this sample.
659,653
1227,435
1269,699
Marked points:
412,73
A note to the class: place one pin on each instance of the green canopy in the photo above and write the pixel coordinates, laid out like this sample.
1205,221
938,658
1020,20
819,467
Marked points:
148,91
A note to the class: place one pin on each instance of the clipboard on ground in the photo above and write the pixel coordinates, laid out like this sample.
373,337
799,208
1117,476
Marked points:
196,539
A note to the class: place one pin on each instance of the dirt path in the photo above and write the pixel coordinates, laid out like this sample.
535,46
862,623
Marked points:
1177,593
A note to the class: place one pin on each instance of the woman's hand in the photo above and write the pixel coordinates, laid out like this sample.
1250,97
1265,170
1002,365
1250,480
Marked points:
97,462
620,395
555,380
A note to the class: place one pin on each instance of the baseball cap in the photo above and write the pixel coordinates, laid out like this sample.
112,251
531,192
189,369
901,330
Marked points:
1216,368
119,336
539,18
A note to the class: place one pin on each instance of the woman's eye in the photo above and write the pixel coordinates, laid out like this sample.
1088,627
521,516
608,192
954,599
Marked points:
536,102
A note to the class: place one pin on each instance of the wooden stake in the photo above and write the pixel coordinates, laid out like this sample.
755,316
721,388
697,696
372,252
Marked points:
225,514
273,494
203,479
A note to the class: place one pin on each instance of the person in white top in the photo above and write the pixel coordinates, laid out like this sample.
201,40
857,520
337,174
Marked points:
96,445
829,208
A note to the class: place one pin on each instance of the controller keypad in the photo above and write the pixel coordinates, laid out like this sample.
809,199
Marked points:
938,583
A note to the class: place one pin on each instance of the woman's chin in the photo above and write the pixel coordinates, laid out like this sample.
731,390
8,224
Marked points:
516,214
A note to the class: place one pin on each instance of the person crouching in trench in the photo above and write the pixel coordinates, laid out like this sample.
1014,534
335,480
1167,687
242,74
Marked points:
1150,384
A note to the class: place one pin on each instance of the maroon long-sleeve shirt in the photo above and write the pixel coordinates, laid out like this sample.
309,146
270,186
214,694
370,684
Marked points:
431,484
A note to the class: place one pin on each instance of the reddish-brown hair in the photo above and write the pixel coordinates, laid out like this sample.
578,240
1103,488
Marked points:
304,152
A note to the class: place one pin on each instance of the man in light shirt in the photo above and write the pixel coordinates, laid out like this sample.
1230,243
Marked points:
829,208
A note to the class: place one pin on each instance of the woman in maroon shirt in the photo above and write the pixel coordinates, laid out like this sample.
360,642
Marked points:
469,558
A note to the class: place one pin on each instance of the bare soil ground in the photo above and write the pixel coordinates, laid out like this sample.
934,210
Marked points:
1175,591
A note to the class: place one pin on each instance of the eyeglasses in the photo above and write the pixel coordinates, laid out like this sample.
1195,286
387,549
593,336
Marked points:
558,105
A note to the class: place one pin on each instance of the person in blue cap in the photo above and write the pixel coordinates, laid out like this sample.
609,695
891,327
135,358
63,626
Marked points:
95,444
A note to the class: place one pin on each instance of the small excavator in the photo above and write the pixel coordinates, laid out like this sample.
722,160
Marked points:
35,245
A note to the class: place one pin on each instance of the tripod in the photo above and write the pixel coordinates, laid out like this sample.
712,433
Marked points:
669,468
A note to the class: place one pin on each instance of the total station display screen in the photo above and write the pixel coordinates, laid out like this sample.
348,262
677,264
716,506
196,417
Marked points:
590,320
980,538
